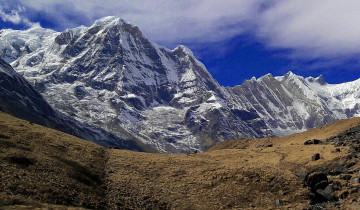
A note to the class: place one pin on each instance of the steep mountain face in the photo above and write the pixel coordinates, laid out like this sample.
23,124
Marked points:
20,99
111,77
292,103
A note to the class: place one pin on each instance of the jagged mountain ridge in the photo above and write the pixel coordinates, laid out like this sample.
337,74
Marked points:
20,99
292,103
110,76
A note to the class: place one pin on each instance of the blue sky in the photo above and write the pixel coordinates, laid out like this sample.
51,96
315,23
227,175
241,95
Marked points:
235,39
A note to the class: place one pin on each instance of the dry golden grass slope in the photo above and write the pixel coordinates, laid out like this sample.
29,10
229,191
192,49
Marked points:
43,168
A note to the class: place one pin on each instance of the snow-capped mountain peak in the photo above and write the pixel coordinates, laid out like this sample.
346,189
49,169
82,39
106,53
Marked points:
185,50
109,75
292,103
109,20
291,76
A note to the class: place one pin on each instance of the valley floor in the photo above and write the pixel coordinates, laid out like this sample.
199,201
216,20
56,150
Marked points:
44,168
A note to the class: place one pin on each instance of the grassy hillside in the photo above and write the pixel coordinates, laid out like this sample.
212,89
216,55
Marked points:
44,168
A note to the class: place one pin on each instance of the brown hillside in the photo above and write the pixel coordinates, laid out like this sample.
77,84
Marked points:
45,168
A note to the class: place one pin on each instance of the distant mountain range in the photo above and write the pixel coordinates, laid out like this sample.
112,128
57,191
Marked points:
112,78
292,103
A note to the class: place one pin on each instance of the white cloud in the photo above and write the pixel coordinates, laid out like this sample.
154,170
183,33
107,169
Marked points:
14,17
162,20
308,28
312,28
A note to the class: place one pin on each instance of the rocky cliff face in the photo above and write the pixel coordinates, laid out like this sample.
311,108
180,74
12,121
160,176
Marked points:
110,76
20,99
292,103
